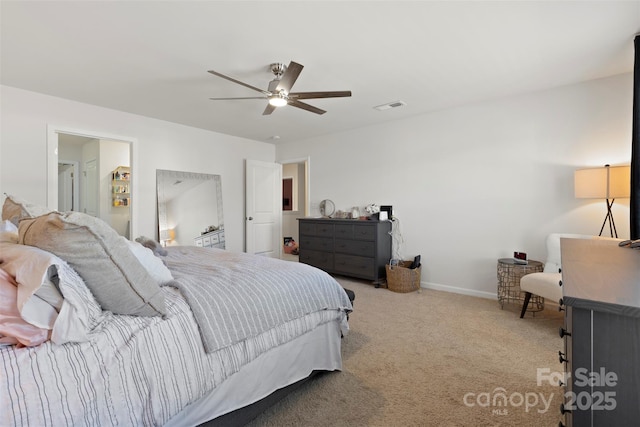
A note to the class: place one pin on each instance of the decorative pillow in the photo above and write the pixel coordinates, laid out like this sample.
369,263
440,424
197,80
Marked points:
114,275
15,209
13,329
50,294
8,232
154,265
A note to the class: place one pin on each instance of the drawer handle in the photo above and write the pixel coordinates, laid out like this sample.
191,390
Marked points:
561,357
563,332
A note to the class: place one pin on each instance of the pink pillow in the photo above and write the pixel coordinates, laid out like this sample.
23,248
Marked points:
13,329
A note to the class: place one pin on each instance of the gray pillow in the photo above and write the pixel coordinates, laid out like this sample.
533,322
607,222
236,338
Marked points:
110,270
15,209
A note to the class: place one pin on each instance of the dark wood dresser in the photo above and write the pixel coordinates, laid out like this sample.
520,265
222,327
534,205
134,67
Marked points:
349,247
601,296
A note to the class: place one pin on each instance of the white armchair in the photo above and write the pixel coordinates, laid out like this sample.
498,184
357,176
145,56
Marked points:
547,283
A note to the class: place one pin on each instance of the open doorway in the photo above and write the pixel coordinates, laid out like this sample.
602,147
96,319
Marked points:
295,200
82,176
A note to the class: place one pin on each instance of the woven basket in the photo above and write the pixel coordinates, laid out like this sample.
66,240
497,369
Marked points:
402,279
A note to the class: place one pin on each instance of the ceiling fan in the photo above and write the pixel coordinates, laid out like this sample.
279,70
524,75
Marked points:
279,92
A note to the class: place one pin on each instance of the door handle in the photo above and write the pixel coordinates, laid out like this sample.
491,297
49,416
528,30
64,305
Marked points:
250,218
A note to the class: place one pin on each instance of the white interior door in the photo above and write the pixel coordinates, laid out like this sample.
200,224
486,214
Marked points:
263,219
68,186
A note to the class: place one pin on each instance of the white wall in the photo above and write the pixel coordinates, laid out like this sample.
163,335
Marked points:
159,145
473,184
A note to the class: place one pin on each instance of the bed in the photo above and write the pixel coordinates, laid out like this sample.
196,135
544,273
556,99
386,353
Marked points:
209,333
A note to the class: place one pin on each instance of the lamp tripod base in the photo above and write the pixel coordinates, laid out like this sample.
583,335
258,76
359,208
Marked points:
609,217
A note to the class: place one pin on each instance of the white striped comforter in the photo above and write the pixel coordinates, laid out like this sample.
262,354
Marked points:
132,371
235,296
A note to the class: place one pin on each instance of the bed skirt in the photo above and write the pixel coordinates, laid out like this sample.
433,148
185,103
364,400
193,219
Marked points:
317,350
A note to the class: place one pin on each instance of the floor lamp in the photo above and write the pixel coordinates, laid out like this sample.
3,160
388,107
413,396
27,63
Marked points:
609,183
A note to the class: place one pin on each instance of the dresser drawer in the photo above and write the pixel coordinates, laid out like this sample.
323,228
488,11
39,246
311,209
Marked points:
344,231
354,265
324,230
317,243
307,228
364,232
321,229
355,247
322,260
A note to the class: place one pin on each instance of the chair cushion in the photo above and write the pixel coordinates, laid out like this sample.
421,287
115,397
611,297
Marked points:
546,285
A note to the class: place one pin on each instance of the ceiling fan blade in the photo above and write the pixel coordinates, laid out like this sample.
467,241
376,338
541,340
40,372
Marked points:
270,109
229,99
215,73
289,77
310,95
296,103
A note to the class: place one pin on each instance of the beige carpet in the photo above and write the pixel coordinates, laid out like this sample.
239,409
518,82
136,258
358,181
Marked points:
410,360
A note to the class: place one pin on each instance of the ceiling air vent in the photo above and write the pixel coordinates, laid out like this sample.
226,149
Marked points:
394,104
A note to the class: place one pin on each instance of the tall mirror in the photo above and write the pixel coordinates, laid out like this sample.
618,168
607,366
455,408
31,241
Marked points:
190,209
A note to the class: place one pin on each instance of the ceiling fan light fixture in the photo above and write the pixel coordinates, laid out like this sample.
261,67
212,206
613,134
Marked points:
278,100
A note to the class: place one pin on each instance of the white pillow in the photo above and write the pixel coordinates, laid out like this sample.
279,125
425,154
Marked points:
154,265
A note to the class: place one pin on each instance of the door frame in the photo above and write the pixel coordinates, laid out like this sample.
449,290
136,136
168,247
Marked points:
52,164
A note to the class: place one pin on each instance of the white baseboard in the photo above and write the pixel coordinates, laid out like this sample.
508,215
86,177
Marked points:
456,290
474,293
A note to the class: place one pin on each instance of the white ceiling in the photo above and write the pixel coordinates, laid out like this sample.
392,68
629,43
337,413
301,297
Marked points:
151,58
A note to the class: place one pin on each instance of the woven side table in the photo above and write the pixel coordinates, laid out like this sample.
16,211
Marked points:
509,274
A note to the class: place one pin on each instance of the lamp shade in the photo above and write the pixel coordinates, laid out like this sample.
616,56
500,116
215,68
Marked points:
609,182
167,234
